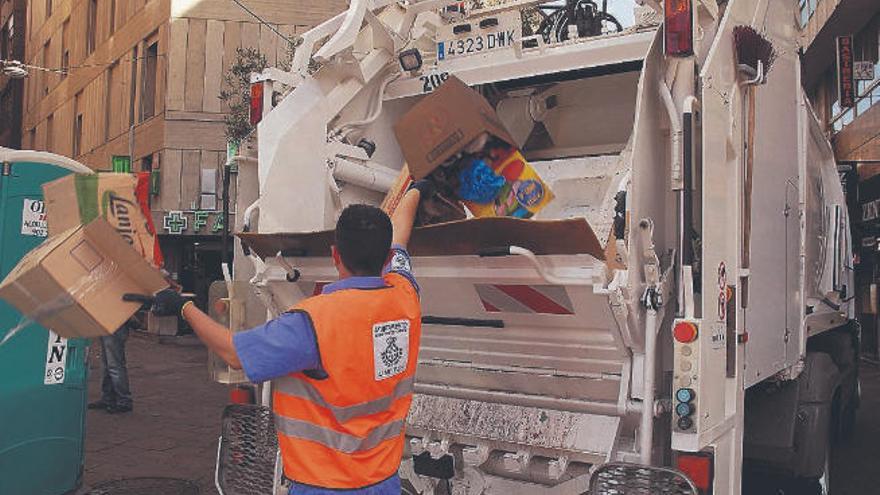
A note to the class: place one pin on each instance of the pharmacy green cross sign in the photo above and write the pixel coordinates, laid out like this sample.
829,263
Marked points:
178,222
175,222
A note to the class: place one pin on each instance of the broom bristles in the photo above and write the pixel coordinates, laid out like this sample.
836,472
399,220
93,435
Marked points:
751,47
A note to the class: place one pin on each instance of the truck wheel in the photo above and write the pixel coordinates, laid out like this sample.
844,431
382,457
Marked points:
814,486
848,415
825,480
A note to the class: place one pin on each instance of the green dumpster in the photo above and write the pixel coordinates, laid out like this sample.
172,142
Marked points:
42,376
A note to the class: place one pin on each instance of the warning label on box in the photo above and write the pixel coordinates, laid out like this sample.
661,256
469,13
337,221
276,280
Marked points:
33,218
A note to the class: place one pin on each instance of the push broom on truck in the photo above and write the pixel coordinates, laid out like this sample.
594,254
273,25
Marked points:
680,313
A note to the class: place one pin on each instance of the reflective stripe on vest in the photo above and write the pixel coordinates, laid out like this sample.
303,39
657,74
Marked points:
348,444
295,387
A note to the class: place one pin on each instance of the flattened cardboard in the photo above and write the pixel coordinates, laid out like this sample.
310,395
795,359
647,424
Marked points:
458,238
80,198
443,123
73,282
398,189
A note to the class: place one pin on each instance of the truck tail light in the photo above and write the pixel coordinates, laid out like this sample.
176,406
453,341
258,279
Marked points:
678,27
685,332
256,102
697,467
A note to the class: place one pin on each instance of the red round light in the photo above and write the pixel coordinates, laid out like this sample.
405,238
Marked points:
685,332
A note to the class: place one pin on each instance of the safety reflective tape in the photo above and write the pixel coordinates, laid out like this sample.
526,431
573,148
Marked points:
343,442
542,299
300,388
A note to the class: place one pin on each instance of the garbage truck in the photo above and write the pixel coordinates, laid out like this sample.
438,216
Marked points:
679,317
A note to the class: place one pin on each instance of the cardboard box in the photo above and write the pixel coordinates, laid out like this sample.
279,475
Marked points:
523,193
78,199
452,120
443,123
73,283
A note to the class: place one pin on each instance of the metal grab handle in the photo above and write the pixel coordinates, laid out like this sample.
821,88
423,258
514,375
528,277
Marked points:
529,255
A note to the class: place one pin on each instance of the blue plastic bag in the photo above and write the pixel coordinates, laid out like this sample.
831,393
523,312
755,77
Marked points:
479,183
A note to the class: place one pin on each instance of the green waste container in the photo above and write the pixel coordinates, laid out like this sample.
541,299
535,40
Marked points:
42,376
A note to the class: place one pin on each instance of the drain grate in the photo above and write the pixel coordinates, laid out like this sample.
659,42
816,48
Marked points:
145,486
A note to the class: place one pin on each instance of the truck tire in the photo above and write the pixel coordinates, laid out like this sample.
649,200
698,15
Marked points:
814,486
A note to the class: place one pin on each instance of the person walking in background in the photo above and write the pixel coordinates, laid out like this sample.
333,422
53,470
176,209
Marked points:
115,390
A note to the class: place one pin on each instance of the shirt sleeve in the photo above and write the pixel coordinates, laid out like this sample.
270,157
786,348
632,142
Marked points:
281,346
401,264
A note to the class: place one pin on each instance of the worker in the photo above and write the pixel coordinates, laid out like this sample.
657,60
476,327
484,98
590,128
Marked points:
343,362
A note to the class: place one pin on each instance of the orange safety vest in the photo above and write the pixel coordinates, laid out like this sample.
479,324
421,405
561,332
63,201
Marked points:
345,430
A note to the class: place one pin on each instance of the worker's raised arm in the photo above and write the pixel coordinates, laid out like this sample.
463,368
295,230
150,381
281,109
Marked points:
404,215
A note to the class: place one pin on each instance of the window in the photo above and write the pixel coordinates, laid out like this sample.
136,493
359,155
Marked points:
112,17
77,125
91,26
208,198
50,132
148,81
108,98
806,8
133,87
45,75
6,40
65,44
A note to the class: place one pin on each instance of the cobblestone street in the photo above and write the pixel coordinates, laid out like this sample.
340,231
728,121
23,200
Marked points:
173,429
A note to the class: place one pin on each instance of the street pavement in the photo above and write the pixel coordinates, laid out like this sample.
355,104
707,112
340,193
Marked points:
173,429
176,421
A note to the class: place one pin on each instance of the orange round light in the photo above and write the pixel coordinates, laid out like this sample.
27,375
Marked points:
685,332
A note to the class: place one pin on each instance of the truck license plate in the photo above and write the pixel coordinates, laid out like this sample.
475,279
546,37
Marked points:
472,45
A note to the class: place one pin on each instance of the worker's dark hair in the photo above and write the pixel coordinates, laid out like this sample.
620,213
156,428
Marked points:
363,239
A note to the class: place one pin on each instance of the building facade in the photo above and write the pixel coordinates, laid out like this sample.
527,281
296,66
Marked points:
13,16
854,130
141,79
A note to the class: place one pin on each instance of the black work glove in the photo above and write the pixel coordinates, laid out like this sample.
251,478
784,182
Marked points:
168,302
425,187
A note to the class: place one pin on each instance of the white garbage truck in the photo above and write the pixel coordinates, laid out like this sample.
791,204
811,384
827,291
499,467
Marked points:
679,315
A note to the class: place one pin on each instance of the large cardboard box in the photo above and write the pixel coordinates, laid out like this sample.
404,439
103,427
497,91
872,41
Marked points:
73,283
443,123
78,199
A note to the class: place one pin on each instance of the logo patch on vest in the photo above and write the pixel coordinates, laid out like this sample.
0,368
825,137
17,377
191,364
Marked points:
390,348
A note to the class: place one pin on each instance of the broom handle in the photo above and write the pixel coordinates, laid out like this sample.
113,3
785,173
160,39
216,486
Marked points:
747,183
